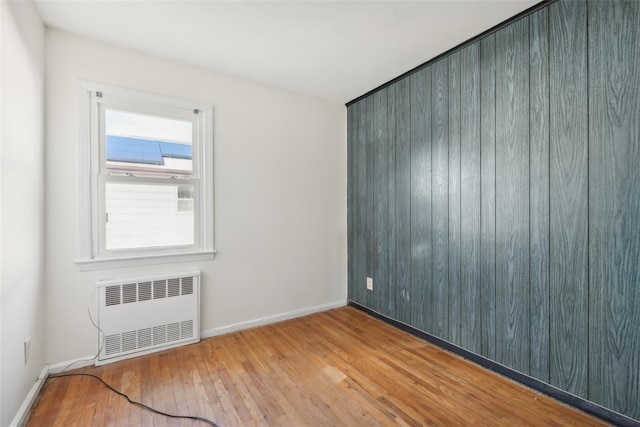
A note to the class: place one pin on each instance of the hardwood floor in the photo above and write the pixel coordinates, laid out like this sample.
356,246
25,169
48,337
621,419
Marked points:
337,368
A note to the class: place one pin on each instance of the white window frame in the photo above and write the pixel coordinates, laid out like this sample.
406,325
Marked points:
93,99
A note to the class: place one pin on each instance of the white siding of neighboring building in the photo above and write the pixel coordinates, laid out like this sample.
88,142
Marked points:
146,216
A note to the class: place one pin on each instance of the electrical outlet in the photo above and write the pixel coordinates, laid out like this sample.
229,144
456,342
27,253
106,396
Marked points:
27,349
369,283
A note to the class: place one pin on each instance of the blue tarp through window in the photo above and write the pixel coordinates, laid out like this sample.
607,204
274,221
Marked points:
177,151
145,151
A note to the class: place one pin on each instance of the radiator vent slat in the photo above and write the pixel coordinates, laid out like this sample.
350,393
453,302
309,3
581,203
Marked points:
141,316
159,334
159,289
173,332
112,295
112,344
129,341
187,285
129,293
144,291
144,338
186,329
174,287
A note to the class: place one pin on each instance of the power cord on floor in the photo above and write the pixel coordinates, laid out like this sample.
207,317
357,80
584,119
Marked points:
133,402
139,404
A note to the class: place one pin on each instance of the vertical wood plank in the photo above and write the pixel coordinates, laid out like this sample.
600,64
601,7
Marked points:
454,198
381,209
369,199
488,191
351,153
358,194
614,205
539,192
512,198
421,255
360,218
439,303
391,197
568,196
403,201
470,337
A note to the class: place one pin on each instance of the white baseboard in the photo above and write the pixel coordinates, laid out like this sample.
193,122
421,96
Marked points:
270,319
23,412
82,362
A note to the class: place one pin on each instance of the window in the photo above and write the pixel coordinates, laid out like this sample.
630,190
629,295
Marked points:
146,184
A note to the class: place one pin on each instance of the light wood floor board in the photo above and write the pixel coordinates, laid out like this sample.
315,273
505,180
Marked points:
336,368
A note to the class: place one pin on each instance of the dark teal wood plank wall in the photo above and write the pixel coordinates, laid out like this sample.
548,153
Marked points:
494,197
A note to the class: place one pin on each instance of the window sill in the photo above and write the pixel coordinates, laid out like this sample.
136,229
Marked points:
135,261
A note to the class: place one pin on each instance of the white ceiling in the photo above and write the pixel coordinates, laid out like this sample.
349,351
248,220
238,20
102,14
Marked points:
337,50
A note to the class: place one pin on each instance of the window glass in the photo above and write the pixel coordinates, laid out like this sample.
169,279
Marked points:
143,215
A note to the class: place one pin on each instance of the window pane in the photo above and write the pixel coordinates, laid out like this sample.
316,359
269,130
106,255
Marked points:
146,216
142,144
185,199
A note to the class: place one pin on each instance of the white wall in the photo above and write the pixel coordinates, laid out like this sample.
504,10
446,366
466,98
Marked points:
280,193
22,204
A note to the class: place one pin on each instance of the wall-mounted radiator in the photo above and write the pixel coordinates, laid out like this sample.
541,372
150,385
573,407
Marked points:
147,314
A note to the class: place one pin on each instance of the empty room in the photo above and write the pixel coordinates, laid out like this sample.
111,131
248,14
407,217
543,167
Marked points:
319,213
